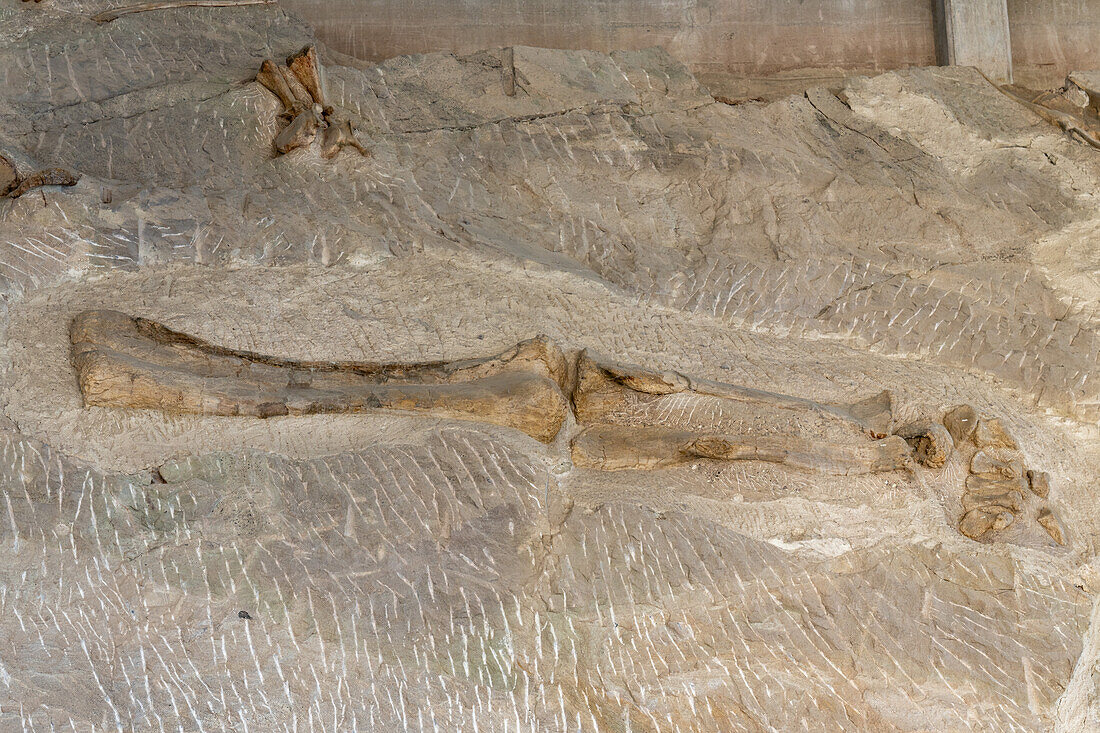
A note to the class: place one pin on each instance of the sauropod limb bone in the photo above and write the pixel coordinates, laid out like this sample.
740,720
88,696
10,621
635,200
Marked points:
618,447
127,362
601,385
123,361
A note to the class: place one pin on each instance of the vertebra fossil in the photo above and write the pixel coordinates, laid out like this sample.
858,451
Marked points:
300,86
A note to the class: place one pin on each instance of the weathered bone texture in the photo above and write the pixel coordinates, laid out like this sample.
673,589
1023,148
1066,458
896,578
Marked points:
617,447
46,177
271,77
1050,523
132,362
960,421
604,387
9,176
1039,483
339,135
307,68
300,86
301,130
999,487
1070,108
977,523
932,443
991,433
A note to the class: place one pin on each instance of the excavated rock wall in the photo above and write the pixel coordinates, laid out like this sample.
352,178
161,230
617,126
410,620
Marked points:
918,232
715,38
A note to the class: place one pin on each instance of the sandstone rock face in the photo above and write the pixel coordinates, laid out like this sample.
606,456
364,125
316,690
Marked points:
917,234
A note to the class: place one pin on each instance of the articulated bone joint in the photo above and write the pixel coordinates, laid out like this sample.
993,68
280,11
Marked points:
534,387
300,86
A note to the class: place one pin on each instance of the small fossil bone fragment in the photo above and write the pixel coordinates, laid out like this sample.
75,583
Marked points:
977,523
307,68
300,86
533,387
9,176
301,130
984,463
46,177
991,433
271,77
1050,523
995,488
1039,483
960,421
1011,501
337,136
115,13
932,443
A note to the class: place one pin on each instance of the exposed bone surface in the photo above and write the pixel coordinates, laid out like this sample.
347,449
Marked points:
128,362
931,441
125,362
818,272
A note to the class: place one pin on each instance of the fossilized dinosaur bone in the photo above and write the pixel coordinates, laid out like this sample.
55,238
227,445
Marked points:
998,486
271,77
614,447
134,362
300,86
45,177
306,67
1082,124
602,386
115,13
13,186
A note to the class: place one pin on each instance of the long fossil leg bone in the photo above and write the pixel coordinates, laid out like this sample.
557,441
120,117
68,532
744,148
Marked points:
616,447
602,387
133,362
129,362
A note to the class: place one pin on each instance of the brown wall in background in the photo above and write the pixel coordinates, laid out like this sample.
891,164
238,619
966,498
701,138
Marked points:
1053,37
739,37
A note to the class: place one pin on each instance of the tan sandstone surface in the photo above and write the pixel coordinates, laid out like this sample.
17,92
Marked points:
917,232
